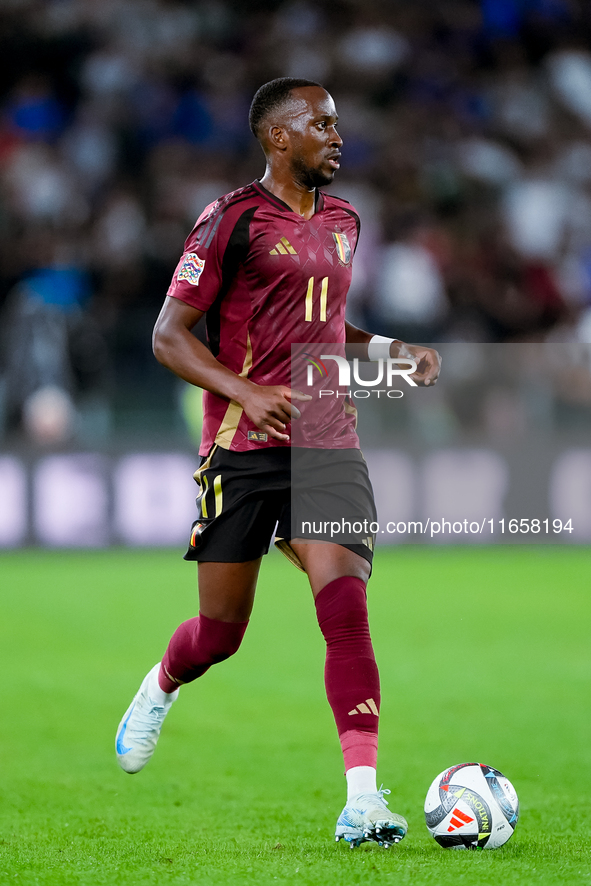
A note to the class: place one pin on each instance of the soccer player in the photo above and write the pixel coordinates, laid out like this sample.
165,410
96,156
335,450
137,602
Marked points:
270,265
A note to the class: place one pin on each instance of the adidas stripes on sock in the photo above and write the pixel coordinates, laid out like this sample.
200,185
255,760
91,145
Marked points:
350,674
195,646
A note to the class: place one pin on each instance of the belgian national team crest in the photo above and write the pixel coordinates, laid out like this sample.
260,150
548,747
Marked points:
191,268
343,247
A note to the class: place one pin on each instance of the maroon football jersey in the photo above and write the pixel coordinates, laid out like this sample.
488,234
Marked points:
268,278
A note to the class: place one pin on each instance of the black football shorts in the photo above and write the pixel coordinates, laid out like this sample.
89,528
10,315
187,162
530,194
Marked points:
303,494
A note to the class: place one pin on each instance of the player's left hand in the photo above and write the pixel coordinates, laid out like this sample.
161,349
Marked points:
428,361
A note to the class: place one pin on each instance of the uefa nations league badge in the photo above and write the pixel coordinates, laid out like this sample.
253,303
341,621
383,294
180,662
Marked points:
191,268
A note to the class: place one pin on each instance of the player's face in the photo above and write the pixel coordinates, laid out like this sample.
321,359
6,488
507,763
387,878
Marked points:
314,149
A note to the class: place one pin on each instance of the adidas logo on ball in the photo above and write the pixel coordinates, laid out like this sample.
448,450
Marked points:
471,806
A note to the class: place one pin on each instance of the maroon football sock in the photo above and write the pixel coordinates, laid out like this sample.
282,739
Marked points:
195,646
350,674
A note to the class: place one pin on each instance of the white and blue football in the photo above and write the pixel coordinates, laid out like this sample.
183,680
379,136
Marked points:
471,806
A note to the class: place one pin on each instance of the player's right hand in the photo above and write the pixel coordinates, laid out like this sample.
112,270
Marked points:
270,408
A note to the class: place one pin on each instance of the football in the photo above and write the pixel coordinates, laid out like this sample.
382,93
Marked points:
471,806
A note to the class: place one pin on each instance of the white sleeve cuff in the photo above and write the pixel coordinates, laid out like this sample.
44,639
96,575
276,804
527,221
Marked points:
378,348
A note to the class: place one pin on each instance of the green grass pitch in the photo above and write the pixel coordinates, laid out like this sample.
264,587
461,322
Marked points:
484,655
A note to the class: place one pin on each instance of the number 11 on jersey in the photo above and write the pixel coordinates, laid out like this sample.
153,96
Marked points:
310,299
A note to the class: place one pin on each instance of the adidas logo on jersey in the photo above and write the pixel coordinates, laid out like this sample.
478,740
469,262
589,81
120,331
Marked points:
283,248
366,707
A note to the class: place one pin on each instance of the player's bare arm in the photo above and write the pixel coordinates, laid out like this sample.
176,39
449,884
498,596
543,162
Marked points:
174,345
428,360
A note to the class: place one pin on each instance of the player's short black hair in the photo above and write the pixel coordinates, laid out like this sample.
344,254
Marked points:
270,96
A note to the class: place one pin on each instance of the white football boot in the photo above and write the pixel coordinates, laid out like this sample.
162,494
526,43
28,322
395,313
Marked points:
367,817
139,730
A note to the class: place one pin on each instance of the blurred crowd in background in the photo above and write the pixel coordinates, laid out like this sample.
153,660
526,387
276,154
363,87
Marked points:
467,151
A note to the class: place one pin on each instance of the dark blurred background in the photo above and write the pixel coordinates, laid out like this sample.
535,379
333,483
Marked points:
467,131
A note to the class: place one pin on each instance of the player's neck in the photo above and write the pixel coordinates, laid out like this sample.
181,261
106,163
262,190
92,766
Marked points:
297,198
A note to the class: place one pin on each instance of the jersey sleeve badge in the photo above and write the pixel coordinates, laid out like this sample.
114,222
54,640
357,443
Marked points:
343,247
191,268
